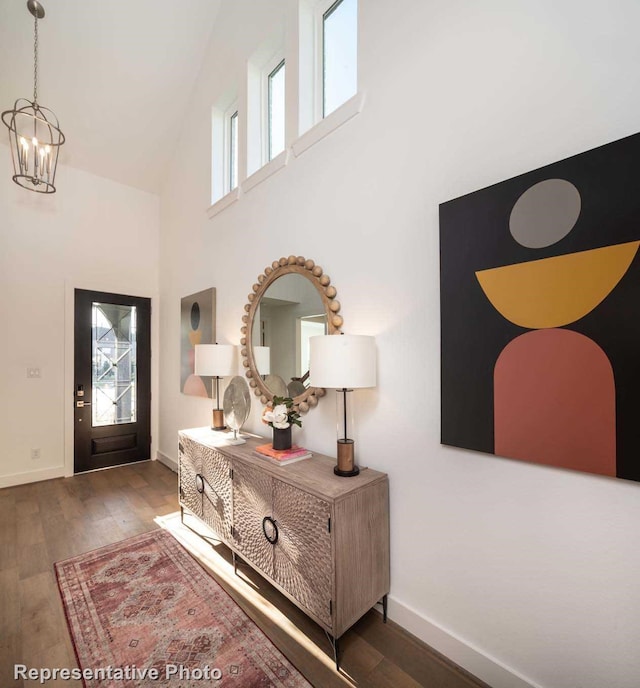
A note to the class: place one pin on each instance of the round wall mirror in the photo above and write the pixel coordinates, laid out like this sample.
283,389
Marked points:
292,301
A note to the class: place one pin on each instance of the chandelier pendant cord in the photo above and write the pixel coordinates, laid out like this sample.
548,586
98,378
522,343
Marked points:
35,59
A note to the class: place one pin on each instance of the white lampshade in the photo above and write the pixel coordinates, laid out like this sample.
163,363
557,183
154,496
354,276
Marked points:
216,360
342,361
262,359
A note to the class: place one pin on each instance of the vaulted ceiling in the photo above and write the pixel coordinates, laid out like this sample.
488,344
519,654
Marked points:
118,74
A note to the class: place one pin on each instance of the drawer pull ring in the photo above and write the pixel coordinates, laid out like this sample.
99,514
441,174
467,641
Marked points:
199,483
274,529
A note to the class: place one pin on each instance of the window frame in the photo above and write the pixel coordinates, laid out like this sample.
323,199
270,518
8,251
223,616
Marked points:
322,10
221,173
273,67
231,156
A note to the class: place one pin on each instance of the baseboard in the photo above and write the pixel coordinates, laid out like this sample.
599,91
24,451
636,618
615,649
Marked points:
169,463
31,476
463,653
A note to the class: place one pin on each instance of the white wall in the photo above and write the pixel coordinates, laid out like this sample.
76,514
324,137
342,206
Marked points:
92,234
525,575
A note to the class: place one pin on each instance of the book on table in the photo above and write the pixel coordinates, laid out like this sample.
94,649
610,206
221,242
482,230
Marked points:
283,456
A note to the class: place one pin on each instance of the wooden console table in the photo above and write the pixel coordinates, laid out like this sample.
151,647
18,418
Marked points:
323,541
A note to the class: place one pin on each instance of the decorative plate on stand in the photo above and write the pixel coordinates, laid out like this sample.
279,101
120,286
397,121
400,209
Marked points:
236,405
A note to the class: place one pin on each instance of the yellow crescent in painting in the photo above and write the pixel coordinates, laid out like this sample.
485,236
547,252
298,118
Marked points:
556,291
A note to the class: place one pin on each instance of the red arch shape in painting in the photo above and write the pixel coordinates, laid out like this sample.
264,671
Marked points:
554,402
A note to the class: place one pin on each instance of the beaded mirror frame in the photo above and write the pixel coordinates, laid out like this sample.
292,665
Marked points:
322,282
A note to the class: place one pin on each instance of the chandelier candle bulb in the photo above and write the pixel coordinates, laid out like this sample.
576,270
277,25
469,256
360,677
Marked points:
22,153
34,143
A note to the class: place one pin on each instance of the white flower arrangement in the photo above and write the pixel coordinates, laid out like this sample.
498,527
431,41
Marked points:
282,414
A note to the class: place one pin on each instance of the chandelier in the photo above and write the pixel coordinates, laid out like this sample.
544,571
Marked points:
34,132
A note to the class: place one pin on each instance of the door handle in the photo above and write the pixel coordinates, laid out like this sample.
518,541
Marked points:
82,404
272,535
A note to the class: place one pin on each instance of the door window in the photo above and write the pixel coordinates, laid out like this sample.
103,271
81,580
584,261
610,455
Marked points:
113,363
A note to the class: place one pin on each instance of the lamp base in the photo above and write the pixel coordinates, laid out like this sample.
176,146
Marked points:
218,420
346,467
346,474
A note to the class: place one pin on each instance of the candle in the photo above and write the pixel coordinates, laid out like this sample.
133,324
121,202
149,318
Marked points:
34,141
24,155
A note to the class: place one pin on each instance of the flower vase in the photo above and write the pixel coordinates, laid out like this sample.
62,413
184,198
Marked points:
282,438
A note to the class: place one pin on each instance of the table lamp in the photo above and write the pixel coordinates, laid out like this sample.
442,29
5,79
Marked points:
215,360
343,362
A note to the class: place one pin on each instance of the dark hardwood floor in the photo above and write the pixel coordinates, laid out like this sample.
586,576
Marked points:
52,520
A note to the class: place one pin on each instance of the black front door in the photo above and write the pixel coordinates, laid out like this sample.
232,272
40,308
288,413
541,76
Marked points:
112,393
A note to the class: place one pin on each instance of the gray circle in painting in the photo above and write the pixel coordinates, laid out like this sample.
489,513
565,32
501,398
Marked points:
545,213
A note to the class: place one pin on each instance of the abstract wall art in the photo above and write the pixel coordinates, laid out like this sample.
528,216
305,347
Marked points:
540,315
197,326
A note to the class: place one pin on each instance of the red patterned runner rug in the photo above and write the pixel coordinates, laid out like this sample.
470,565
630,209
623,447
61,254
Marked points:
142,612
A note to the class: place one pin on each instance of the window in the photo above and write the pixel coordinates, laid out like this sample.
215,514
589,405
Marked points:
325,87
265,108
232,147
275,111
328,62
339,54
225,151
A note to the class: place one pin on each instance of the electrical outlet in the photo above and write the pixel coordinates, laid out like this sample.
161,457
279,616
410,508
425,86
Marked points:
33,372
35,454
